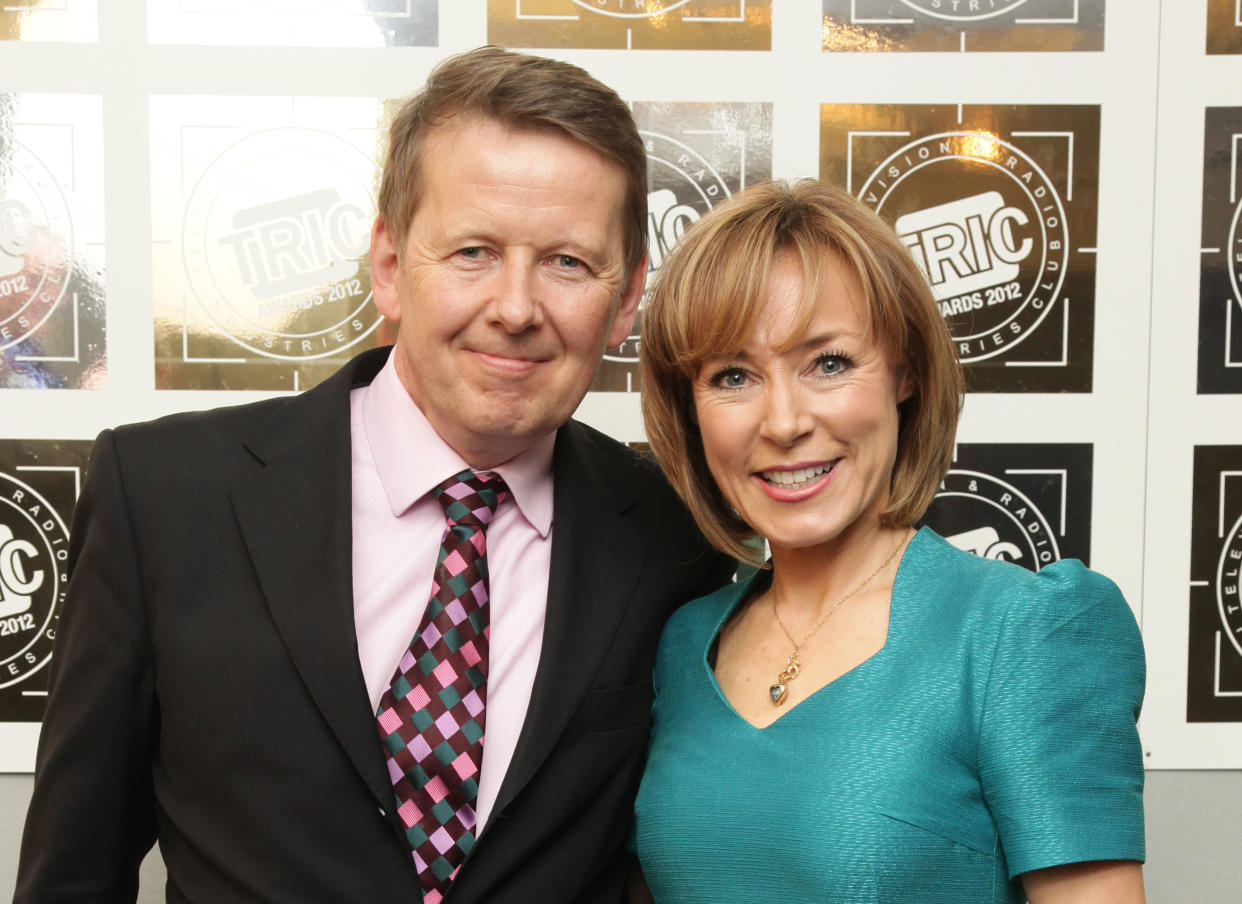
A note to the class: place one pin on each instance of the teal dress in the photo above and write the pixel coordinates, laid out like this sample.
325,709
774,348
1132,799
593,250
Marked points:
994,733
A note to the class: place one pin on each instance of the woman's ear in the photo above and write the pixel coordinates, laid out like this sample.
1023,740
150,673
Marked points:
903,383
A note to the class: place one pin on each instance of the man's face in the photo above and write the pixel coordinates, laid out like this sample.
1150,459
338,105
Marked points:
512,283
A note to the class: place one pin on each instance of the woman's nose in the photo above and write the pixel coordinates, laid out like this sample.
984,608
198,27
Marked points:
785,417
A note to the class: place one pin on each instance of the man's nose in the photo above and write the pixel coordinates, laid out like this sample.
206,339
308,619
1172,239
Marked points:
516,306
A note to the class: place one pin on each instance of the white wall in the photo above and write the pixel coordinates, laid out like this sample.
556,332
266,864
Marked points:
1141,415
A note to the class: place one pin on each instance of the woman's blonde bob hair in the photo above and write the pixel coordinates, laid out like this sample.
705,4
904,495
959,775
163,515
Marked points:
710,295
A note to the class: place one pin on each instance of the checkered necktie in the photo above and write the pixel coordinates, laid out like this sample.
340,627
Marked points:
431,717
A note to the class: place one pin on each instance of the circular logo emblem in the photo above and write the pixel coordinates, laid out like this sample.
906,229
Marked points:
1228,593
630,9
274,238
1235,253
34,553
964,10
36,245
986,226
681,187
981,514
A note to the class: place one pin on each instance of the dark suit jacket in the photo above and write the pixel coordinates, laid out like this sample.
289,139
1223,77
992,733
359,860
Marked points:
206,686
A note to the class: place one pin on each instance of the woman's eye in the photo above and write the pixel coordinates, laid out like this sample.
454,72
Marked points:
730,378
830,365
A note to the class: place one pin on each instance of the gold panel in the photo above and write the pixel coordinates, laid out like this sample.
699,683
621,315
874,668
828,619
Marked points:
294,23
1224,26
49,20
39,483
637,24
998,204
698,154
880,26
52,314
261,217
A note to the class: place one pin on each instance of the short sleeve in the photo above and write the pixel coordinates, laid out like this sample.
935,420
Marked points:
1059,755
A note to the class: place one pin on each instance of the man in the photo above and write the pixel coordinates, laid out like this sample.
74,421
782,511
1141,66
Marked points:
235,673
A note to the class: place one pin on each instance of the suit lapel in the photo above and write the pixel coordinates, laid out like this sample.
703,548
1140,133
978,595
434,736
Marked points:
294,512
596,561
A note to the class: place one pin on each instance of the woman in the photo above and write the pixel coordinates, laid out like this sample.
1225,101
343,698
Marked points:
877,716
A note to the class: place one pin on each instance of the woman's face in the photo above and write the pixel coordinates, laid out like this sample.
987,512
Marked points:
802,441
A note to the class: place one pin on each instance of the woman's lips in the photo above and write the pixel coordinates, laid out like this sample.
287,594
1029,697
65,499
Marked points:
797,483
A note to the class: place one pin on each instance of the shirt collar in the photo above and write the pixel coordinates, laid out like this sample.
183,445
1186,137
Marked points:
411,458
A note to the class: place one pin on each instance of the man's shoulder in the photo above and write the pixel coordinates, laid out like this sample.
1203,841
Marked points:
186,449
266,424
622,466
207,420
605,473
595,473
583,437
201,433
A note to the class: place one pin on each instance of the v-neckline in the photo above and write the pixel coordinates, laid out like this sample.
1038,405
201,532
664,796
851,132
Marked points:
846,676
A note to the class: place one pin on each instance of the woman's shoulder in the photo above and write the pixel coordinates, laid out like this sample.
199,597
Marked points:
1064,616
1065,585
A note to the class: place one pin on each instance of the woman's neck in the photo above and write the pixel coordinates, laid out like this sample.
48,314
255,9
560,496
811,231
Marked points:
807,581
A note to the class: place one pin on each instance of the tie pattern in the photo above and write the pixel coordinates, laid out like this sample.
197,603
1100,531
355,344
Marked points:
431,718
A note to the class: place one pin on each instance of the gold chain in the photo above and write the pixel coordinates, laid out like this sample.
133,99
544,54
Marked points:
793,665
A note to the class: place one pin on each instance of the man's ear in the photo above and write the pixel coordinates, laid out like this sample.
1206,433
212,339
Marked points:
384,269
627,308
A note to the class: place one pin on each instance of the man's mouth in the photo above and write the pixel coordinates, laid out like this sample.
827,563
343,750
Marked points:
509,361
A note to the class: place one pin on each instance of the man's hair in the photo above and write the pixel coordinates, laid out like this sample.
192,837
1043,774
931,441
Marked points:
710,295
521,92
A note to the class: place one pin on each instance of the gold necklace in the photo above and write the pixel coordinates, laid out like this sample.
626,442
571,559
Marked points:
778,691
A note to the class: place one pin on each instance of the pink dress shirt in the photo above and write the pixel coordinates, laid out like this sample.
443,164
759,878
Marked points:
397,459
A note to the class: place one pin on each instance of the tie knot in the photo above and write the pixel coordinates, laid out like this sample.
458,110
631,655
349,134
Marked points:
471,498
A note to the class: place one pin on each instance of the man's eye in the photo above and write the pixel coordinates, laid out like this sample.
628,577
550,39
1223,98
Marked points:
472,253
569,262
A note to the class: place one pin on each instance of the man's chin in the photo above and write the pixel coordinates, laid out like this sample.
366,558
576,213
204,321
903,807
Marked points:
510,426
498,435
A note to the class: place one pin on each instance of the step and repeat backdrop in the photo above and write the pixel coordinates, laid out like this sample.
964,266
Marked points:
187,188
